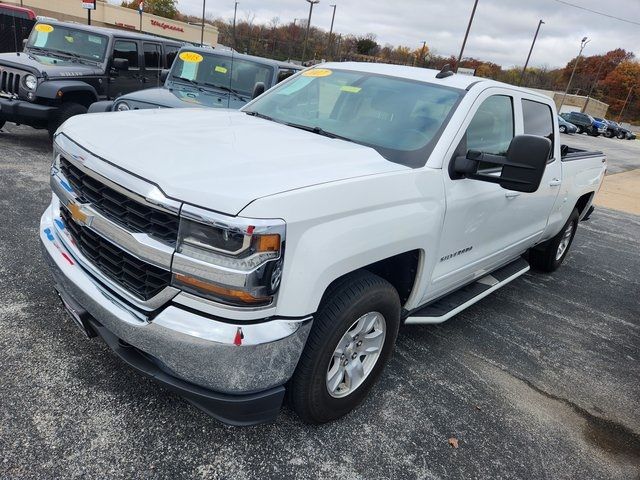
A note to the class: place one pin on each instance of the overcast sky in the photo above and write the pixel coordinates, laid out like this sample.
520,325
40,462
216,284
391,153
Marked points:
502,30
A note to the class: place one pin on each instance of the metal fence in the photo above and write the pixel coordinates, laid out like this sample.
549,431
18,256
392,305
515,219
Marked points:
13,31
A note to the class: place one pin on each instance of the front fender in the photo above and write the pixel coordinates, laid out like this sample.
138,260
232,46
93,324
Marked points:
50,89
99,107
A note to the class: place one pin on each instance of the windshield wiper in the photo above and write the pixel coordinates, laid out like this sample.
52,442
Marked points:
226,89
318,131
184,79
261,115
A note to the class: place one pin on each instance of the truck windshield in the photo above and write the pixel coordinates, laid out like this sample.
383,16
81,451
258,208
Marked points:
68,41
220,71
402,119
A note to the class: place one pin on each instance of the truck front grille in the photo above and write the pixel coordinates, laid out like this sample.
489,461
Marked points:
136,276
131,214
9,81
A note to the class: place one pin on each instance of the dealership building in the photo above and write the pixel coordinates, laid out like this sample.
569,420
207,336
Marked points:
115,16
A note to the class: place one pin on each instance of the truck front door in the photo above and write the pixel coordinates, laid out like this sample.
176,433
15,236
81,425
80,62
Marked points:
125,81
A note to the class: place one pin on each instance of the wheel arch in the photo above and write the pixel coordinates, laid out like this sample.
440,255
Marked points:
583,203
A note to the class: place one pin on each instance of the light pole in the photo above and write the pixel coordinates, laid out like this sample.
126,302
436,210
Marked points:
593,85
235,14
524,69
333,17
583,43
204,6
626,100
422,55
466,35
306,37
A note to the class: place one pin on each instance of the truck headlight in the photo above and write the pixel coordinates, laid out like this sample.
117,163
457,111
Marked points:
229,260
30,82
122,107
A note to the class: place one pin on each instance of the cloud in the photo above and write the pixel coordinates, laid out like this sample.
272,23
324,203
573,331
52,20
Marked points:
502,30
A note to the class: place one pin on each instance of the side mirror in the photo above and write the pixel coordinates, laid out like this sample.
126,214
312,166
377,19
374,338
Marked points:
121,64
522,167
258,89
164,74
24,43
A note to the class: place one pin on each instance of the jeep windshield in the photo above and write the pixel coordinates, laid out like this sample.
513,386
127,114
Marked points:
402,119
63,41
237,76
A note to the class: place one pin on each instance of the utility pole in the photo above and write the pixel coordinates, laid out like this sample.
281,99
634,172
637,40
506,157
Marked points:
524,69
422,54
466,35
333,17
626,100
235,14
306,37
204,6
583,43
593,85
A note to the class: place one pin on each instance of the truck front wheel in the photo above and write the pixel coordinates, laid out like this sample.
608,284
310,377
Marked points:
549,255
64,113
352,338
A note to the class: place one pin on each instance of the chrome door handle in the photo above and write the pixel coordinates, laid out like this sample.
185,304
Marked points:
554,183
512,194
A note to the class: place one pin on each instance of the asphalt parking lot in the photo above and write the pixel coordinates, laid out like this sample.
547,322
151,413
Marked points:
540,380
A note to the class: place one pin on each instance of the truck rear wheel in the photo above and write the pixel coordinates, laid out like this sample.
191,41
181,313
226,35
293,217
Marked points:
64,113
549,255
352,338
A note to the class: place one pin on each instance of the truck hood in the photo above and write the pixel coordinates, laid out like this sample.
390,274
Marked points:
53,67
184,97
220,159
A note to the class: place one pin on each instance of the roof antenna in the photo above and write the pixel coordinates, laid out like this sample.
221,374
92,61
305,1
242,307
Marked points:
445,72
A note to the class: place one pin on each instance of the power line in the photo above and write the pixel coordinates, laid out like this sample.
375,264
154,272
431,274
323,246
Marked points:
598,13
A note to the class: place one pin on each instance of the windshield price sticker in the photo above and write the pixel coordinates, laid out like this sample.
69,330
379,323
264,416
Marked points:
191,57
317,72
44,28
220,69
350,89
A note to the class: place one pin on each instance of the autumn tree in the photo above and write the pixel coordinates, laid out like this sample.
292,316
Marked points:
162,8
616,86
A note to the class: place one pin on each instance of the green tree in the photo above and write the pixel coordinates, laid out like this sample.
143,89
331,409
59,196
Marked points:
162,8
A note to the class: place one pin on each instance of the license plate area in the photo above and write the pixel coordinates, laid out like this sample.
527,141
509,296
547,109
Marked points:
78,314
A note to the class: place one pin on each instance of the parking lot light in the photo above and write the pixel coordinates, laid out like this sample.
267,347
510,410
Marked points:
535,37
583,43
306,37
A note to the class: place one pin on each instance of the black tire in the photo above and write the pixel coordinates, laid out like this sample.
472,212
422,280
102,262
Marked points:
343,304
608,134
64,113
580,130
621,135
2,122
593,132
563,129
544,257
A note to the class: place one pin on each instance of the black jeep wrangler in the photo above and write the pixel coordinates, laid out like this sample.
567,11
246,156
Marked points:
65,67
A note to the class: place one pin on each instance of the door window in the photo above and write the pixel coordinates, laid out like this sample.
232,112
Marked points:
491,129
171,52
538,120
128,51
152,56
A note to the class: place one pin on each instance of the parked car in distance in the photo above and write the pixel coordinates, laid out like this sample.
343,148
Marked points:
205,77
235,255
18,12
585,123
566,127
65,67
621,132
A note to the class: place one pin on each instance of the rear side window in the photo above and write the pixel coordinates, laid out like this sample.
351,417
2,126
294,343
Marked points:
491,129
152,56
538,120
171,52
128,51
284,73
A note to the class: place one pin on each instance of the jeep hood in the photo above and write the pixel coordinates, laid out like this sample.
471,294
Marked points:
220,159
184,97
53,67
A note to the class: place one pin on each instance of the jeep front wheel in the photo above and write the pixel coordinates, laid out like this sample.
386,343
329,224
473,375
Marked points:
64,113
352,338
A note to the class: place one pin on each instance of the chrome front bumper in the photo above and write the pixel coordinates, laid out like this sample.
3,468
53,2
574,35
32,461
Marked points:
197,348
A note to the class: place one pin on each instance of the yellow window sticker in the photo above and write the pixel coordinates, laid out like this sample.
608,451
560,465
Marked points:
191,57
317,72
220,69
68,38
350,89
44,28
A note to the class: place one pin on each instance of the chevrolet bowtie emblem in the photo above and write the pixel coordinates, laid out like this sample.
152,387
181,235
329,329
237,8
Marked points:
78,215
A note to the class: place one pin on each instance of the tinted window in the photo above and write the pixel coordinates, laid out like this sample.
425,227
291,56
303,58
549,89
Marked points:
538,120
491,129
152,56
128,51
13,13
400,118
171,54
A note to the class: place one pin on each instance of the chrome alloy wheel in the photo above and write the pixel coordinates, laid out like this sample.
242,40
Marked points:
564,243
356,354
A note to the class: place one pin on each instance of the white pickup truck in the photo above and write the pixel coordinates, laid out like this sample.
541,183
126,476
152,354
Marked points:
238,255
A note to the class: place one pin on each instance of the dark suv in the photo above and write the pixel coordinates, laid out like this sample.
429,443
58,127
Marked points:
65,67
585,123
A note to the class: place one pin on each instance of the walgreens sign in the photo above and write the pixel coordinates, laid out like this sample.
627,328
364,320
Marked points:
166,26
